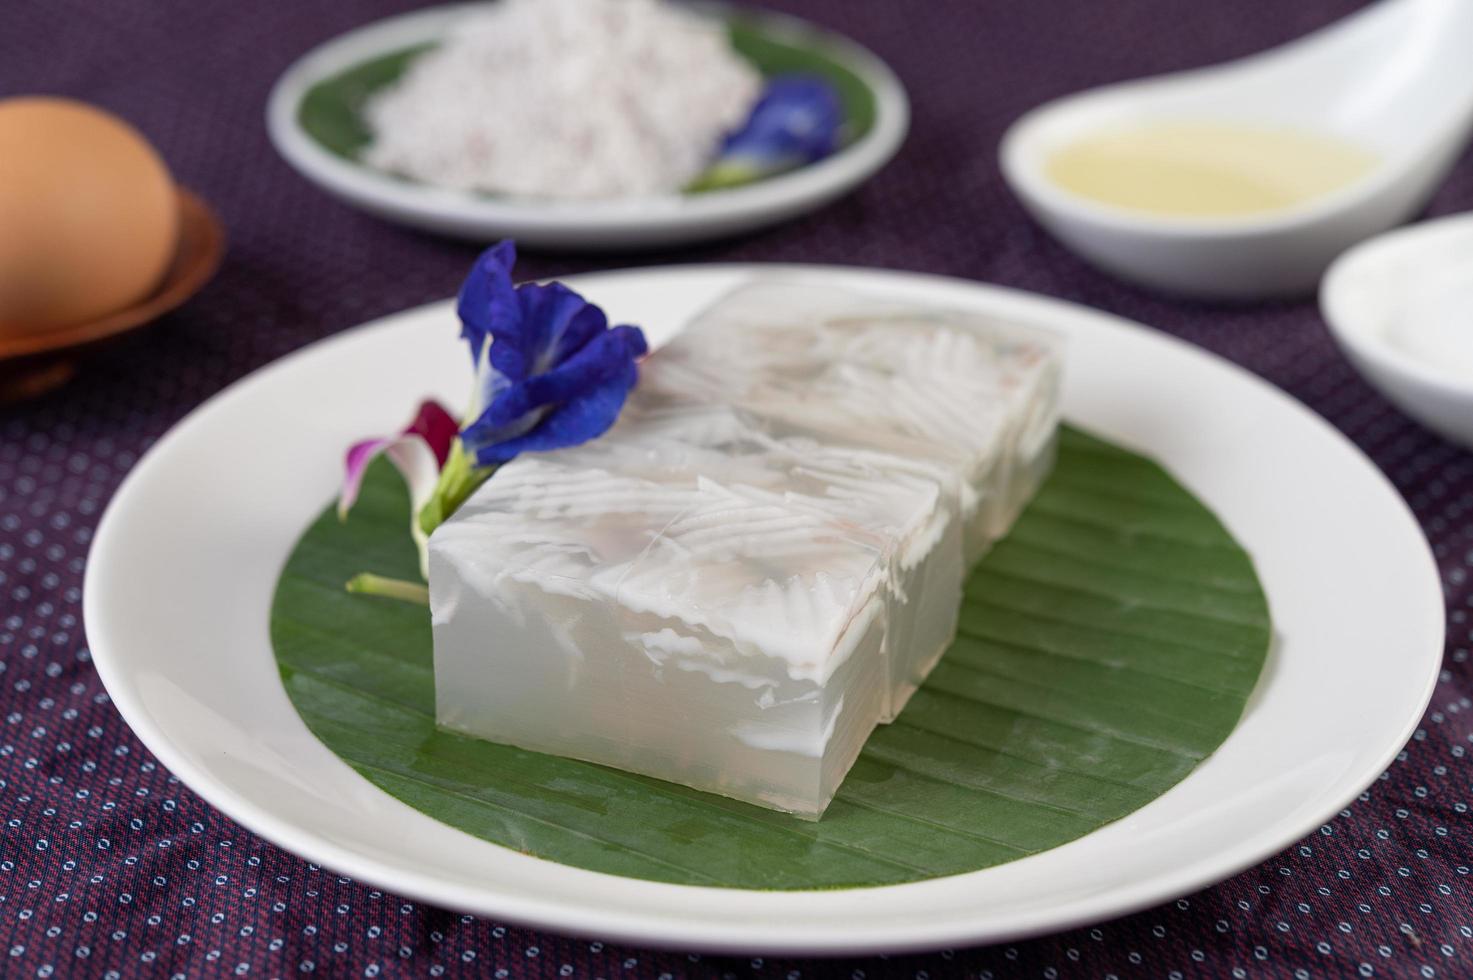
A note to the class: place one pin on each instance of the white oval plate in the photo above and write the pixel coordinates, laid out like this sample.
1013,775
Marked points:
620,224
186,558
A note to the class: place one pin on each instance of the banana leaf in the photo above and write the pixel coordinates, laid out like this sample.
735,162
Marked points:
1107,646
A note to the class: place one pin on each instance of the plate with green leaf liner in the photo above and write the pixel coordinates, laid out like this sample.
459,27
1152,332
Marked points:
1214,625
316,120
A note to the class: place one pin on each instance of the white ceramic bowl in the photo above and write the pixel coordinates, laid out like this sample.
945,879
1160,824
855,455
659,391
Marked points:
1382,287
671,219
1394,78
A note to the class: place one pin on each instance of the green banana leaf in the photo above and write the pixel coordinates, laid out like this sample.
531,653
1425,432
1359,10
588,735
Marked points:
332,110
1107,646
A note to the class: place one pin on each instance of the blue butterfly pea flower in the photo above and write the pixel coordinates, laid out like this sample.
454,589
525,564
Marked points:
796,121
551,372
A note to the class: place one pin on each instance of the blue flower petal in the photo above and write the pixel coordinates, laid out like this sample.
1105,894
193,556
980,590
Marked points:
556,323
551,372
796,121
574,402
568,425
488,303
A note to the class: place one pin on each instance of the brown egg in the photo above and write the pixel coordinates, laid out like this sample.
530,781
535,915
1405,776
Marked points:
89,219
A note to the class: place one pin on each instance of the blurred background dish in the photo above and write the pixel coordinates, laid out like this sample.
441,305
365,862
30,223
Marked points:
1401,308
95,237
318,121
1261,170
34,363
89,213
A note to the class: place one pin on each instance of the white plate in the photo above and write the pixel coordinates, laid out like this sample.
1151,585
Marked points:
182,570
634,223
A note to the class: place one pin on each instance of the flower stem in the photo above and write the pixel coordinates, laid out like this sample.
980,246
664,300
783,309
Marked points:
388,588
459,478
723,175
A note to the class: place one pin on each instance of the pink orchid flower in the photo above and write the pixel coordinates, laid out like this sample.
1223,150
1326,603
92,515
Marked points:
418,453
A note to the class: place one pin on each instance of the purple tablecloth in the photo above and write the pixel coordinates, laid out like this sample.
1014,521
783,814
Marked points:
108,865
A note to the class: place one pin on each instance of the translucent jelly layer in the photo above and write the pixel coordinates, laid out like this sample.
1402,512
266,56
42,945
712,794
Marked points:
975,396
736,583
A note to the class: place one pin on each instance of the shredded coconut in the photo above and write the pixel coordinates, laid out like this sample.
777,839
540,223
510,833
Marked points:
577,99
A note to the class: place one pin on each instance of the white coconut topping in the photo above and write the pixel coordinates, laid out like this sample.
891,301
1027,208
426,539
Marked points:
576,99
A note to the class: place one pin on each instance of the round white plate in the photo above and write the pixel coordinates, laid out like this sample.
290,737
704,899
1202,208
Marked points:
185,561
619,224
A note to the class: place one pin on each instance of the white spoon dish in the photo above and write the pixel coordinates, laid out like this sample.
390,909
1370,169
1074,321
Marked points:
1401,308
337,77
1395,79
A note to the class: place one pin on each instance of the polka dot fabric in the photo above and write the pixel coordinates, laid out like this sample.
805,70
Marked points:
110,867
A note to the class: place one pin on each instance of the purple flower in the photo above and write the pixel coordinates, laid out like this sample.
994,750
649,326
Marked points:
550,373
550,370
797,120
418,452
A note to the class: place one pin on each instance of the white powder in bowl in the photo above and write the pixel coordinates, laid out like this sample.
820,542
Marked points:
577,99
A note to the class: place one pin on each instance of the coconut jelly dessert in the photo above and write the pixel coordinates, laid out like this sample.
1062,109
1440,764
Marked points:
973,395
761,560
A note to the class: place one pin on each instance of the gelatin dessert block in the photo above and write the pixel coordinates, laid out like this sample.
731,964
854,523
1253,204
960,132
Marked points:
969,399
976,394
690,598
901,498
761,560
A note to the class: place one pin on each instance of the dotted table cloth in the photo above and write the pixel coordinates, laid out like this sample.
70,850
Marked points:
110,867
